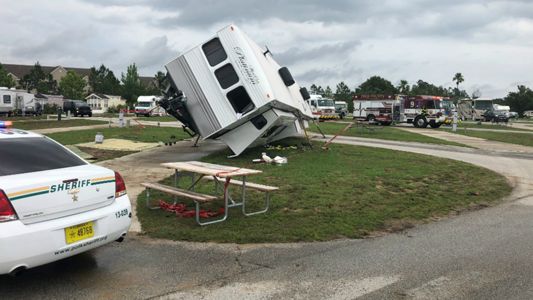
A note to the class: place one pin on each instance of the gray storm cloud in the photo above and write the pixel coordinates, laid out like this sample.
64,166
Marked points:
322,42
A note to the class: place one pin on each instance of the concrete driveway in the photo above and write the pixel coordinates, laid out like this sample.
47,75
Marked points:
483,254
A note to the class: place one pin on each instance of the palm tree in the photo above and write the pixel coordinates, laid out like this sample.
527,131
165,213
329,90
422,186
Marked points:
403,87
458,78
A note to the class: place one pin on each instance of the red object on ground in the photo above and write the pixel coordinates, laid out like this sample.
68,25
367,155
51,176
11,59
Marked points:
181,210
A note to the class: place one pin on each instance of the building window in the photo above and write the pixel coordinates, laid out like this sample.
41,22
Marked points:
214,52
7,99
226,76
240,100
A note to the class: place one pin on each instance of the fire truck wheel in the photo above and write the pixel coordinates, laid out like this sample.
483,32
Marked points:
420,122
434,124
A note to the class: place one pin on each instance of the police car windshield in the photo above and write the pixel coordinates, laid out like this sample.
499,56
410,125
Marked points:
25,155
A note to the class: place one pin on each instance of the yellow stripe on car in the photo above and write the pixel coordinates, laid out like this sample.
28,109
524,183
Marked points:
103,179
29,191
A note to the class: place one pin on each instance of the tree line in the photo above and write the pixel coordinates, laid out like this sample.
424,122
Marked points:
72,86
519,101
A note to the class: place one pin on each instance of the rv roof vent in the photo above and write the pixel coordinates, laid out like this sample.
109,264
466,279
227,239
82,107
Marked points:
286,76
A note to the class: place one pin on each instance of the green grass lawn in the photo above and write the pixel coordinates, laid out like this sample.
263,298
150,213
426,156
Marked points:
379,132
147,134
158,119
26,118
346,192
41,124
525,139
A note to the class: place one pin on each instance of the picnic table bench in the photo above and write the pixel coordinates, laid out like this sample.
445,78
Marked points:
222,176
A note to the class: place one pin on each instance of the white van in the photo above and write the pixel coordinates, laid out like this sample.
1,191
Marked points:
147,106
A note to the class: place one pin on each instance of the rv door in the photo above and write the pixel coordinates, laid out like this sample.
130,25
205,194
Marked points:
19,105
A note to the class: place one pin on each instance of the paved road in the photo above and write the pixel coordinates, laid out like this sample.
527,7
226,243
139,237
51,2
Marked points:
478,255
471,141
112,122
145,166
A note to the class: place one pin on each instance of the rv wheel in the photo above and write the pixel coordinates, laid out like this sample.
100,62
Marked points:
420,122
371,119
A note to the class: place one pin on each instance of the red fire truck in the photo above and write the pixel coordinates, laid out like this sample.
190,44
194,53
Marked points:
420,111
380,109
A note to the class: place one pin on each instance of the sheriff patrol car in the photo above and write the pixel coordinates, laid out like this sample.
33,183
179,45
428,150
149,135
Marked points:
54,204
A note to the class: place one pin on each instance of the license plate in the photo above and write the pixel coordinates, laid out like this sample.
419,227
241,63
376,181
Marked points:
79,232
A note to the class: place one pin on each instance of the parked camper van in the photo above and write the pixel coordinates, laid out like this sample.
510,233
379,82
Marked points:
322,108
230,89
147,106
18,102
474,109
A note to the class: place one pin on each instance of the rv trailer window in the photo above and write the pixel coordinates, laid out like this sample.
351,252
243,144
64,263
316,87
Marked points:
7,99
226,76
259,122
214,52
240,100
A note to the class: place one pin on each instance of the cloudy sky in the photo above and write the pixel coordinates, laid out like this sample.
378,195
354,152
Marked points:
322,42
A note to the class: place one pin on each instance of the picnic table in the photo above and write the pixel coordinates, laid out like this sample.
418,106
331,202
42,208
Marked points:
223,177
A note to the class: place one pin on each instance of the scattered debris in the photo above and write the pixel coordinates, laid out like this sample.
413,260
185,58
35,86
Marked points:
279,147
267,159
181,210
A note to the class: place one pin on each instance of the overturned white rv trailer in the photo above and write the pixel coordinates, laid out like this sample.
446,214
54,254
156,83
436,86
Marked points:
230,89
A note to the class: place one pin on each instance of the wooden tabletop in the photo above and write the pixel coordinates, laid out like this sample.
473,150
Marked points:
210,169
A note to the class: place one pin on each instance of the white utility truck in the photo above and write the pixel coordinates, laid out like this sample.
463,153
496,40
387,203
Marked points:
147,106
322,108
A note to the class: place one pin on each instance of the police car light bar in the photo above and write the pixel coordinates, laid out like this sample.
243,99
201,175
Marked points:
5,124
